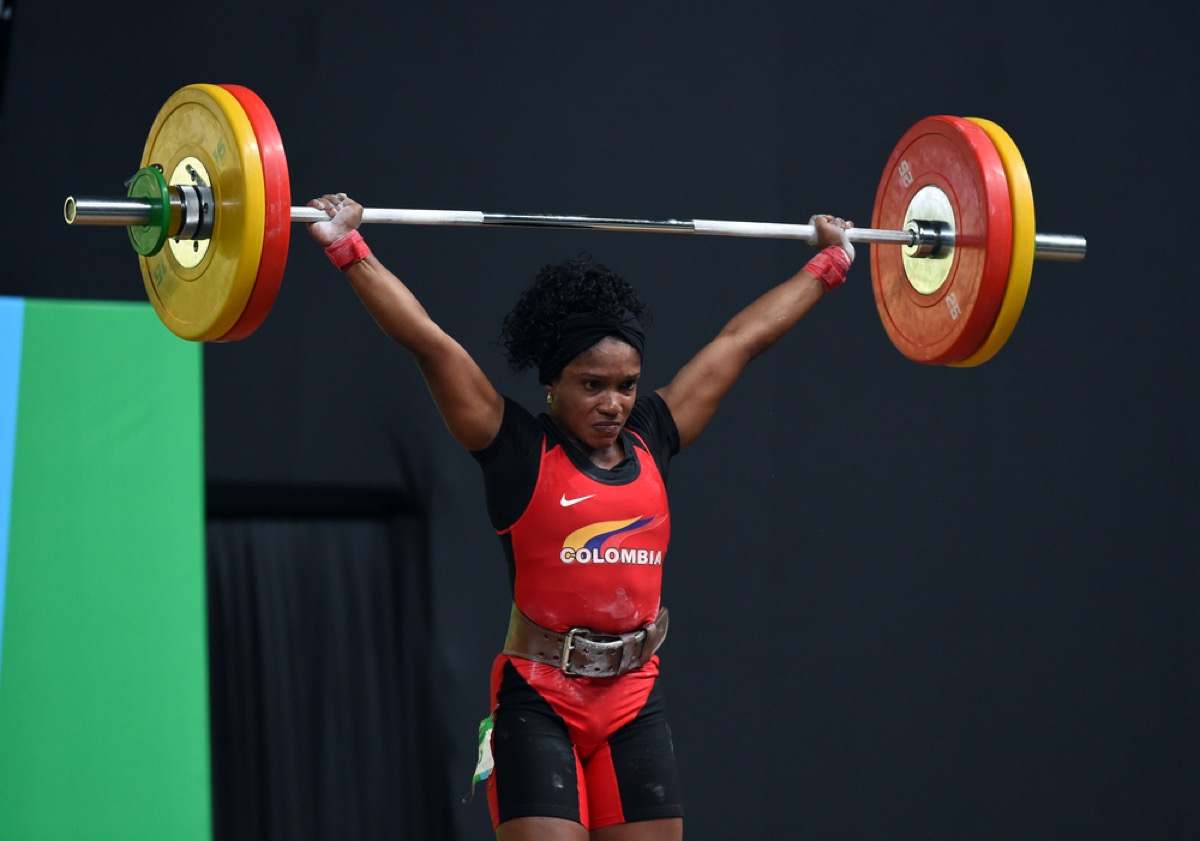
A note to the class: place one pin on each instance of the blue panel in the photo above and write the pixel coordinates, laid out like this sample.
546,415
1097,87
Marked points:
12,320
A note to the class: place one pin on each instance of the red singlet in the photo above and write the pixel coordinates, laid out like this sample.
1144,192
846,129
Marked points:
585,551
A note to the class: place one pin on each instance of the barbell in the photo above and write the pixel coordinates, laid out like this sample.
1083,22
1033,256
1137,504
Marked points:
952,237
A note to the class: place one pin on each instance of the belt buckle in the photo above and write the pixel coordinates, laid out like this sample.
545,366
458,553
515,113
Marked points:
568,645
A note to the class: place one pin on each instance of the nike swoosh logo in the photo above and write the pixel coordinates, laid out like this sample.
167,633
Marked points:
567,503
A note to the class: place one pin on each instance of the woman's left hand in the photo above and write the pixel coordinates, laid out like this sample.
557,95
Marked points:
831,230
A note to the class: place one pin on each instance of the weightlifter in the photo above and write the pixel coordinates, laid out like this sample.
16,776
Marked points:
578,728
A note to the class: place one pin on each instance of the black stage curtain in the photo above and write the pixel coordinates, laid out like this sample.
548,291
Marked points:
8,9
318,632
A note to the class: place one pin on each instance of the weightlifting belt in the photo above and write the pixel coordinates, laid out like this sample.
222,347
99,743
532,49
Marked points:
582,652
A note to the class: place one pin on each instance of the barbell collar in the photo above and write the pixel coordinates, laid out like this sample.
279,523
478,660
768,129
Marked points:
1062,248
93,211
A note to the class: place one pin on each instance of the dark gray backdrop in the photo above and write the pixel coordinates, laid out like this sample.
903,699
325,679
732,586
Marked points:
908,602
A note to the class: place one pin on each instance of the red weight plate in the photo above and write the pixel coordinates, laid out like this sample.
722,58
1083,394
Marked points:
278,225
948,324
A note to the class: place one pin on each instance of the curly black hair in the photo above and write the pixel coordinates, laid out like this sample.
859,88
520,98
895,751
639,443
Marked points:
533,325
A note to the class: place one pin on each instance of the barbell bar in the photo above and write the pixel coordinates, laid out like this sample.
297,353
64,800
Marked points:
1066,248
952,235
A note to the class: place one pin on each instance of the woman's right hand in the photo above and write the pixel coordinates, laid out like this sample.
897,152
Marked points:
345,215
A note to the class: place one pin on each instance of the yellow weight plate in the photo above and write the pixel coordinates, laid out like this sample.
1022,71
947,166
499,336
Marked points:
200,288
1024,243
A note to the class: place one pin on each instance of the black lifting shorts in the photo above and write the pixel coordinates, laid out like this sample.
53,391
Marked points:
541,771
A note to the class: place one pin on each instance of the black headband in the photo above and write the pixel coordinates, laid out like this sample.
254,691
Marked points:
583,330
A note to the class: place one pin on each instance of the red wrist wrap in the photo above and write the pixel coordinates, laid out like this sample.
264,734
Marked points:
829,266
347,250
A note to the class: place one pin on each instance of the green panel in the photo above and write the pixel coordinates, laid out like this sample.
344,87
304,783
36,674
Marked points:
104,701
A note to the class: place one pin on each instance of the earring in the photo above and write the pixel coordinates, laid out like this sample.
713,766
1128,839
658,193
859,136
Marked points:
549,400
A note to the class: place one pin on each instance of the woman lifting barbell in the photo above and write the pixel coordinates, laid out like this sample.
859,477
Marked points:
579,732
